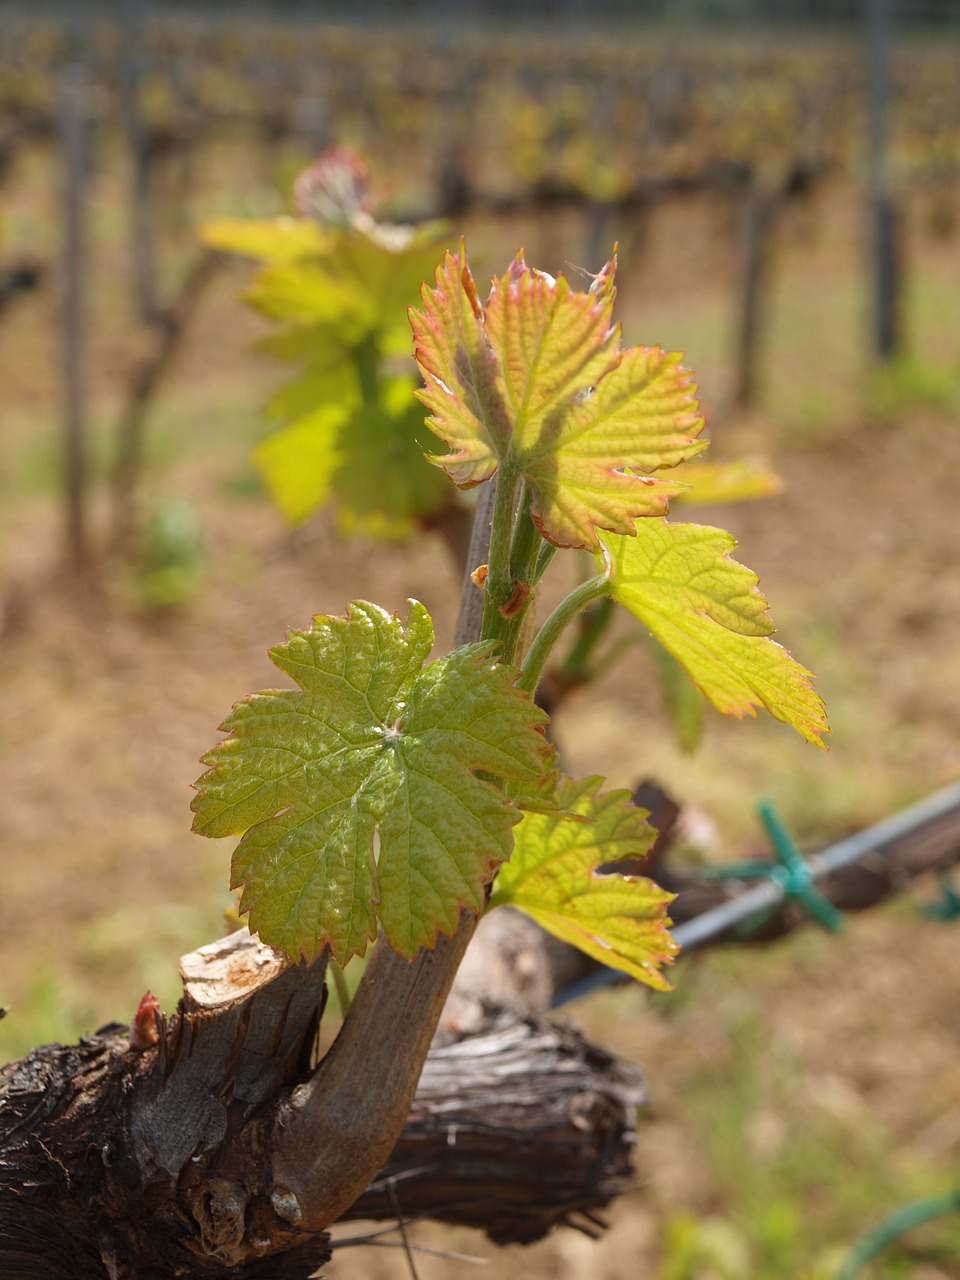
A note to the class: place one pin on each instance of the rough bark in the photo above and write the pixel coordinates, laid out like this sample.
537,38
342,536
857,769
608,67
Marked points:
152,1163
512,1131
169,1160
213,1147
207,1153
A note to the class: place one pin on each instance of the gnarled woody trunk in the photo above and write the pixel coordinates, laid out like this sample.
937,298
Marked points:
222,1151
116,1162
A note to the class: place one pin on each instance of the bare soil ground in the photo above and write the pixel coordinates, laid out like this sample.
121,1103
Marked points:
783,1080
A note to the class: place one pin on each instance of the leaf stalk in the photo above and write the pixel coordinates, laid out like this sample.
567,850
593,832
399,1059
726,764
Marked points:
594,623
527,541
548,635
499,584
342,1124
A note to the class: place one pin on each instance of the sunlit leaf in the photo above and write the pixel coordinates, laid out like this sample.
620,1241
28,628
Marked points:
357,795
553,876
683,700
327,381
299,461
390,273
269,239
382,474
307,342
707,611
308,293
460,371
536,382
340,292
739,481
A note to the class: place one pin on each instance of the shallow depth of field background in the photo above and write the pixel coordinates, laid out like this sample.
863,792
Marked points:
799,1092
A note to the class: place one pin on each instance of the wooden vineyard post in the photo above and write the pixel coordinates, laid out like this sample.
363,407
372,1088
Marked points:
74,134
134,14
759,221
885,321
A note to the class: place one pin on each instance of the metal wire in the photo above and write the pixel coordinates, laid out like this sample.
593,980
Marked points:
770,893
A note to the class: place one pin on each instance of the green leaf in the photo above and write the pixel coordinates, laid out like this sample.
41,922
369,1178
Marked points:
307,343
537,383
328,379
553,876
298,462
370,457
682,699
390,265
308,293
460,371
383,478
739,481
357,795
706,610
348,432
270,239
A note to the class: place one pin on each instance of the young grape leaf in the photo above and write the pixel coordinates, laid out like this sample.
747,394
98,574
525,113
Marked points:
358,796
738,481
706,610
338,283
460,372
299,461
329,380
270,239
537,383
389,263
553,876
368,455
309,293
382,482
682,699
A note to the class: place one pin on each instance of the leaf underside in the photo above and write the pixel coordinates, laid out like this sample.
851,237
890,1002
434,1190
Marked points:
553,877
536,382
357,795
708,613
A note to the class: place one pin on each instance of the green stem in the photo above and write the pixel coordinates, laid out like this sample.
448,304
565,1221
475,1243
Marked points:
499,584
544,556
891,1228
340,983
367,360
527,563
593,627
549,633
527,540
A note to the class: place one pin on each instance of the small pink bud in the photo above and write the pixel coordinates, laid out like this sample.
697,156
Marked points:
144,1029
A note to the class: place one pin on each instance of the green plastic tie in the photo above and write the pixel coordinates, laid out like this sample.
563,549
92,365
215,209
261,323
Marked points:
793,873
887,1232
947,906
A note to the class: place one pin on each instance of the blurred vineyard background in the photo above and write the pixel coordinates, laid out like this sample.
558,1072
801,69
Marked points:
783,180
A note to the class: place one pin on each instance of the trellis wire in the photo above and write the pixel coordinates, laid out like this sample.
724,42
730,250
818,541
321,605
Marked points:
769,893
